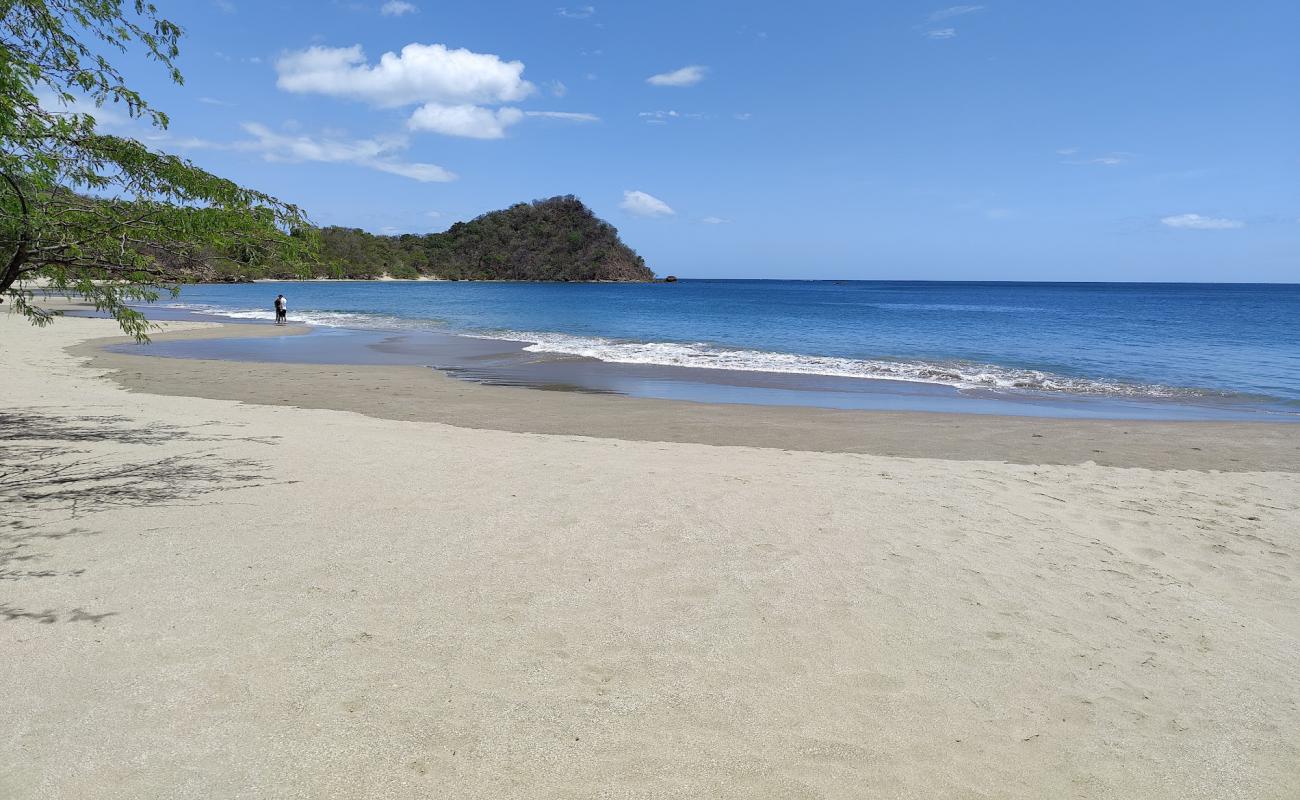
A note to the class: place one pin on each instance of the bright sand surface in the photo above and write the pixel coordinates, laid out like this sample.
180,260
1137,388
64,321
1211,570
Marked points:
204,598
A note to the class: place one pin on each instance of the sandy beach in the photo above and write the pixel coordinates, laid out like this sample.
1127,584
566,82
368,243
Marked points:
228,580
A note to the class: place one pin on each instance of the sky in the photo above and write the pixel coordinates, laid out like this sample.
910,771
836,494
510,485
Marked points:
1022,140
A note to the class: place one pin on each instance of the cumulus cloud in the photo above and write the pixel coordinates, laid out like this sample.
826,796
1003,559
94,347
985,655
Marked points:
686,76
474,122
396,8
421,73
1200,223
377,154
644,205
457,91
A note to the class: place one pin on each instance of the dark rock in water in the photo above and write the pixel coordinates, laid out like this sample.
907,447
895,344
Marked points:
671,279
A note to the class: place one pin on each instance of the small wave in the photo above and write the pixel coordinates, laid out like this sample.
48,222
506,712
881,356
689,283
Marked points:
325,319
699,355
960,375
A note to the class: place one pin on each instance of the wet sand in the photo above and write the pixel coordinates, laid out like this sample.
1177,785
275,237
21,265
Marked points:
413,393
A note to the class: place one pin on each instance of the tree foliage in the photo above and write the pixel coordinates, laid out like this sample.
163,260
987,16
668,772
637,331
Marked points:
98,216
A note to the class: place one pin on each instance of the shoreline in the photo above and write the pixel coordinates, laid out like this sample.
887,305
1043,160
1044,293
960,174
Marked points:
657,367
419,393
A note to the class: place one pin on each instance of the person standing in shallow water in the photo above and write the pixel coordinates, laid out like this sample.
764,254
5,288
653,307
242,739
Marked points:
281,310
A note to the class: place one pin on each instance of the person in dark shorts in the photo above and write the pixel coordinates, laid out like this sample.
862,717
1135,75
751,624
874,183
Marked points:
281,310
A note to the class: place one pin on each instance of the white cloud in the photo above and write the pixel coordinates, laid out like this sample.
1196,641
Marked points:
558,88
953,11
455,89
433,214
686,76
715,221
941,33
1067,151
421,73
570,116
1200,223
396,8
474,122
477,122
225,6
212,101
377,154
579,12
416,171
664,116
743,116
644,205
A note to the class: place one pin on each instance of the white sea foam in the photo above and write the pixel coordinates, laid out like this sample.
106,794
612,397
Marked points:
699,355
325,319
962,375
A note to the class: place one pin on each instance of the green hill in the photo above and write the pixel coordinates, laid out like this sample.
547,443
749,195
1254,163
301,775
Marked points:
558,239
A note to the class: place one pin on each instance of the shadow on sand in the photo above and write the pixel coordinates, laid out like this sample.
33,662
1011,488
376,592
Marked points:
48,483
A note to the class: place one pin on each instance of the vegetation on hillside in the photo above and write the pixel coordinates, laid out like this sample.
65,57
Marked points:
558,239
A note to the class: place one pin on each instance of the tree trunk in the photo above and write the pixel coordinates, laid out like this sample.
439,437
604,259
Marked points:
14,267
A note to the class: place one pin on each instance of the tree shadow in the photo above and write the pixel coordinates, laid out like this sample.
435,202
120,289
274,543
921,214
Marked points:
34,426
47,481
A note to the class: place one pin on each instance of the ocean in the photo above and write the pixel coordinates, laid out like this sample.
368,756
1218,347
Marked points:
1058,349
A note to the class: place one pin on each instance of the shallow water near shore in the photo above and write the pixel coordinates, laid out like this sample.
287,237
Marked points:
1145,351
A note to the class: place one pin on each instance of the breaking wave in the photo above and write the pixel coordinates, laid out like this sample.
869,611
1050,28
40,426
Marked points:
325,319
962,375
699,355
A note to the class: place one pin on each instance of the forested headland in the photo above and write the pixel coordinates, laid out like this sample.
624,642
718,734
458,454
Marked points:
557,239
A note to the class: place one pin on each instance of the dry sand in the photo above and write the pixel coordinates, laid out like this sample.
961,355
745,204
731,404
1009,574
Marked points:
211,599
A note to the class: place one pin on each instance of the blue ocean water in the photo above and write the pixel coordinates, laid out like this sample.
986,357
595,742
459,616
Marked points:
1230,343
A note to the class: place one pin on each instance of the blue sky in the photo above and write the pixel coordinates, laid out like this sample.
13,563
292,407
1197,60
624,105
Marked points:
904,140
